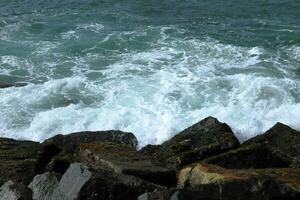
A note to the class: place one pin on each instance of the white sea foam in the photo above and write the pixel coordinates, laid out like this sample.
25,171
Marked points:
8,31
74,34
69,35
95,27
158,92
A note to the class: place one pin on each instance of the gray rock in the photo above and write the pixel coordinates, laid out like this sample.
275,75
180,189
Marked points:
44,186
83,183
15,191
73,180
49,186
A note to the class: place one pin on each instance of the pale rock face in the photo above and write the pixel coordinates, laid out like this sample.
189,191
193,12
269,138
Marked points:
15,191
49,186
70,185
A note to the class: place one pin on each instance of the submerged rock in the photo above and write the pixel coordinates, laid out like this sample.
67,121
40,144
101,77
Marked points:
278,147
83,183
203,139
15,191
7,85
18,160
124,159
230,184
69,143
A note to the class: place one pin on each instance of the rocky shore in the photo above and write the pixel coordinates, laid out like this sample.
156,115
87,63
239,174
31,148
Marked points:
203,162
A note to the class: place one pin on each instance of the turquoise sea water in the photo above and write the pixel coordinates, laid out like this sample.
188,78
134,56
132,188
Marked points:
150,67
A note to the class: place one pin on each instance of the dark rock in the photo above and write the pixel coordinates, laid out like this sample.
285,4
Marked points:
46,153
205,138
22,160
106,185
60,163
83,183
124,159
278,147
7,85
69,143
174,194
15,191
228,184
153,151
19,160
58,166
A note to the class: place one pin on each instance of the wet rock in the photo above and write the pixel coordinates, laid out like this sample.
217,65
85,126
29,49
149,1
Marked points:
46,153
15,191
19,160
174,194
278,147
60,163
22,160
230,184
69,143
124,159
153,151
83,183
7,85
205,138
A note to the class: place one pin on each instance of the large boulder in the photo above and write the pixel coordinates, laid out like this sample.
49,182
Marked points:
83,183
19,160
203,139
230,184
69,143
15,191
278,147
124,159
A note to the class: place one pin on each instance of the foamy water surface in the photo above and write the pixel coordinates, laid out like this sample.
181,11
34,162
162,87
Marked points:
148,68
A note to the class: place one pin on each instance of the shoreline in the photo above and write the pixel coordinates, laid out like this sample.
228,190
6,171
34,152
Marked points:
204,161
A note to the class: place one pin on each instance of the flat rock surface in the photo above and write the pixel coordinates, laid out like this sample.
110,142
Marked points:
125,160
221,183
68,143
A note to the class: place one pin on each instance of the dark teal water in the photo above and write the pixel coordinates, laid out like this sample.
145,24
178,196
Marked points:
150,67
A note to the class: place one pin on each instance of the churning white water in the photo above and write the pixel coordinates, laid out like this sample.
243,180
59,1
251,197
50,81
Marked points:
153,92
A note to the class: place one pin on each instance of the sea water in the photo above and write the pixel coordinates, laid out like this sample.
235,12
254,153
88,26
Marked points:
149,67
